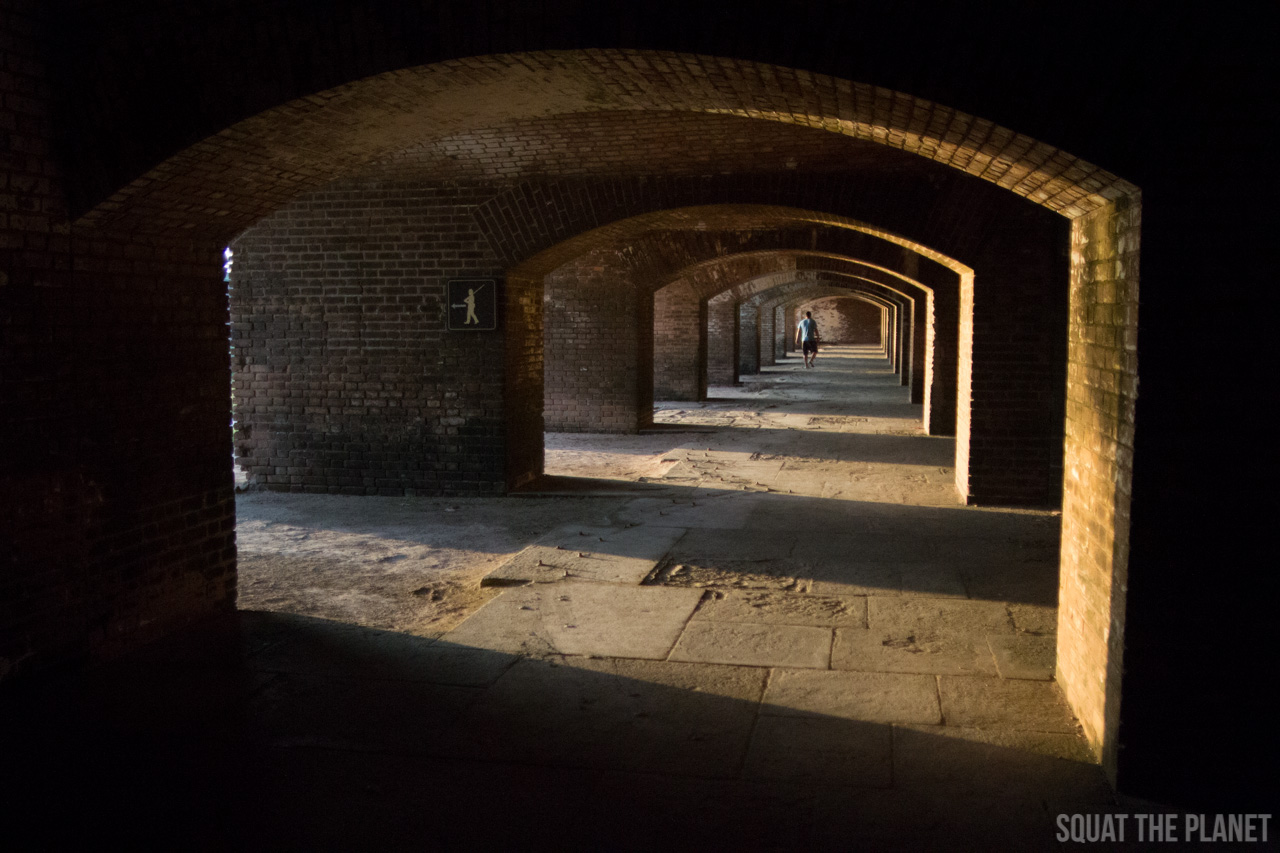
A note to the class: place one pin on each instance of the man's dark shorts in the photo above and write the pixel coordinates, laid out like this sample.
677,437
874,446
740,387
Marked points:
809,347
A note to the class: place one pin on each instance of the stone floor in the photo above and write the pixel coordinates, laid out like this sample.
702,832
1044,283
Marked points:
797,638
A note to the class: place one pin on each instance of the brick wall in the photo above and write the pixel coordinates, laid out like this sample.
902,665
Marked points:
845,320
599,347
722,340
116,504
679,343
766,338
346,379
748,339
1016,372
1099,469
143,81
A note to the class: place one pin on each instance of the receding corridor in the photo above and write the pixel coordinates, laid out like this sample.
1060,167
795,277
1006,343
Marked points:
787,634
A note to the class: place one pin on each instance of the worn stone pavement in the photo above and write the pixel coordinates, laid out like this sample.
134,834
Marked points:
797,638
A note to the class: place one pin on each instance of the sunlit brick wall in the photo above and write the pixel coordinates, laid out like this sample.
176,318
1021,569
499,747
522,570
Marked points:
1099,468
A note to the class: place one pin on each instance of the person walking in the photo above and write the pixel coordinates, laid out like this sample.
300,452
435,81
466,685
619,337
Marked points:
807,338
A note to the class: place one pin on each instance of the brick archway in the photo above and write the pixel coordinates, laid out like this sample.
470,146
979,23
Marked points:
185,207
796,271
656,252
866,330
260,163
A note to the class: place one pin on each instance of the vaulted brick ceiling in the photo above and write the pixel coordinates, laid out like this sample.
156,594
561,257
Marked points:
542,107
625,143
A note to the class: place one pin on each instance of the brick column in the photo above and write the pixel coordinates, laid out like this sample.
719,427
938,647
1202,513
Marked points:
1094,579
942,345
921,311
599,348
748,339
679,344
722,340
1013,380
904,341
766,339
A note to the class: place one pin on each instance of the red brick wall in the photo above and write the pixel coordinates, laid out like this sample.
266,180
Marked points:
722,340
767,356
143,81
599,347
748,339
846,320
346,378
116,503
780,330
679,343
1017,367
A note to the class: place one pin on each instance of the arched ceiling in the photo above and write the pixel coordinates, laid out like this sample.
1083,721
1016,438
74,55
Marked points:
219,186
623,143
665,245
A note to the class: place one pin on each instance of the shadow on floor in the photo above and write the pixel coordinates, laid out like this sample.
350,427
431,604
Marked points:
267,731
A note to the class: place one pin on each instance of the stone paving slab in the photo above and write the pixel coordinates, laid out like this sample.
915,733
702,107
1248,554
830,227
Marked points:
682,473
932,581
1022,583
874,697
908,651
655,716
368,713
804,483
710,545
1002,528
580,618
1024,655
751,644
700,508
798,512
1034,618
337,648
1007,552
869,579
938,616
777,575
938,819
782,608
833,751
838,549
606,554
959,759
989,703
926,635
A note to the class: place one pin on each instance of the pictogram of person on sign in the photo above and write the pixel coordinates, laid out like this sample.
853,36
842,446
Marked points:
470,304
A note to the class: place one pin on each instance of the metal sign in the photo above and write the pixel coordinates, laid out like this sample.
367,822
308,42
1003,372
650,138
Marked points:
473,304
